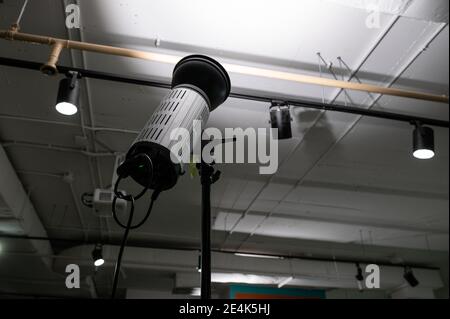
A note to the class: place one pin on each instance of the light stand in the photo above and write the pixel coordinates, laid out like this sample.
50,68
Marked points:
199,85
208,176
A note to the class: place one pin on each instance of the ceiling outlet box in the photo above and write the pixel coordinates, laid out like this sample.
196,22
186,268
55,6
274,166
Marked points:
102,202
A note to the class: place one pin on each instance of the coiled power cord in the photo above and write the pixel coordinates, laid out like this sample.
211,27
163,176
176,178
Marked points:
123,172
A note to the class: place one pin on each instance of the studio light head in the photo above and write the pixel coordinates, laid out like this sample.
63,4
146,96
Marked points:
199,85
68,94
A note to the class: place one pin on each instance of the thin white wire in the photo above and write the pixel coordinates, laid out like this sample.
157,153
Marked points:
320,71
25,3
343,78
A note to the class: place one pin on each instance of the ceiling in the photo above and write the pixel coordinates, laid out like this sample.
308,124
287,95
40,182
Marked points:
347,186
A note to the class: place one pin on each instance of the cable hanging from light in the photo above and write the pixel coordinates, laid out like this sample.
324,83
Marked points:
140,162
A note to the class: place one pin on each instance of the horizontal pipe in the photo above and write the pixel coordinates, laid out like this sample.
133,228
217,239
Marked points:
300,103
56,148
89,128
288,257
232,68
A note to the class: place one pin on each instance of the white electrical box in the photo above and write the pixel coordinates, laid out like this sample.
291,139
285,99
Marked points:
102,202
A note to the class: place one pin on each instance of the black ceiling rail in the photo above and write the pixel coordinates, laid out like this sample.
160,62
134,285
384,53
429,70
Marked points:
23,64
138,244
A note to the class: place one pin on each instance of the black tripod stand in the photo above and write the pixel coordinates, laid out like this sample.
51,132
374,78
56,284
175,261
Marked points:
208,176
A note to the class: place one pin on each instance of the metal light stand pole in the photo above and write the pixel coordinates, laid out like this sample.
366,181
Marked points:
208,177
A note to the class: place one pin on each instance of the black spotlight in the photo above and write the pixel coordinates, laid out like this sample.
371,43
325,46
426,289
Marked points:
280,118
410,278
423,142
68,93
359,277
97,255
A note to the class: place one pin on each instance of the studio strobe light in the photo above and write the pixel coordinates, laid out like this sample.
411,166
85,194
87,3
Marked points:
199,85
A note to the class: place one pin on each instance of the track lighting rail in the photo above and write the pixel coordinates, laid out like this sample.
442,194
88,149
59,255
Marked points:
58,45
299,103
116,242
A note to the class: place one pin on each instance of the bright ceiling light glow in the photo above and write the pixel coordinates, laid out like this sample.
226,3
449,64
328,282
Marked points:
196,292
99,262
284,282
66,108
97,256
423,154
423,142
258,256
68,95
245,279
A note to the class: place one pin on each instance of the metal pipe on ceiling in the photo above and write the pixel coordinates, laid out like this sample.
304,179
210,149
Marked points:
267,99
116,242
68,124
57,44
55,148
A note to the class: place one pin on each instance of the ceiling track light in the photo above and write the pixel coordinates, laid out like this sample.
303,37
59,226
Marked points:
97,255
68,94
199,264
280,118
410,278
423,142
359,277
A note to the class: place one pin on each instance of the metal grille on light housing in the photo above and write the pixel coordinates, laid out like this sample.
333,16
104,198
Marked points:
199,85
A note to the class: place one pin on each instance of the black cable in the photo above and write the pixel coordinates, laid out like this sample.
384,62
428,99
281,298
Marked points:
149,210
116,218
124,171
122,248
